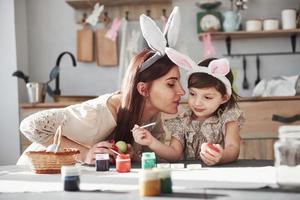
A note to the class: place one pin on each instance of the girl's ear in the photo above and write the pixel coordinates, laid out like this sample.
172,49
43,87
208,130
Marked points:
142,88
225,98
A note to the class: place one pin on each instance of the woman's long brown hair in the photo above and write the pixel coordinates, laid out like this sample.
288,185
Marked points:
132,105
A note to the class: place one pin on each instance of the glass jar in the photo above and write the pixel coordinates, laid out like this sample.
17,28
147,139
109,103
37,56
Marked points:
102,162
148,160
123,163
70,178
287,157
149,183
165,180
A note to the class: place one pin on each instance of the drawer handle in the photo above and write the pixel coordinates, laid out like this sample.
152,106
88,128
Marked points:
287,120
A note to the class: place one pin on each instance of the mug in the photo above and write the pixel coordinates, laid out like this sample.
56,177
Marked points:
271,24
253,25
36,92
288,17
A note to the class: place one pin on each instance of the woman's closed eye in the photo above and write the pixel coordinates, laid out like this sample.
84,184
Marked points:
171,84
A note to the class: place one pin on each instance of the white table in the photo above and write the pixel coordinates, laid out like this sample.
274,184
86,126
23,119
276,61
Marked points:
221,182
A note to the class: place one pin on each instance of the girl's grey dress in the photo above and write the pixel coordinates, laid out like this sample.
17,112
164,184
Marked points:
192,133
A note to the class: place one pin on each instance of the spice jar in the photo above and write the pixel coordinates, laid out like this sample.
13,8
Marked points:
102,162
70,178
287,157
123,163
149,183
148,160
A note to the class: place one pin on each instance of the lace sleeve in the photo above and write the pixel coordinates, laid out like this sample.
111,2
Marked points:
41,126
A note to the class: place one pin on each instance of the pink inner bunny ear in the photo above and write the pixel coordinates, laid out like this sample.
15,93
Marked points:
219,66
179,59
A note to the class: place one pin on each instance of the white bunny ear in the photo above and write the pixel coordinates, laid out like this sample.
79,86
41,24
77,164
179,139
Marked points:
180,59
152,34
219,66
172,28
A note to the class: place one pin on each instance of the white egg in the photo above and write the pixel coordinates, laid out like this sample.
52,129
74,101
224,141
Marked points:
51,148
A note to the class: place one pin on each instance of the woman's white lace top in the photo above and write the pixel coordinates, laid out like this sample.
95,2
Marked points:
85,123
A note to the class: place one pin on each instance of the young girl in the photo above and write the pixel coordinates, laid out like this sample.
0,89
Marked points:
209,129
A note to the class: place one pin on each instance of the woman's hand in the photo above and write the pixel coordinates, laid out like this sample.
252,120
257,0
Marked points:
142,136
100,147
211,154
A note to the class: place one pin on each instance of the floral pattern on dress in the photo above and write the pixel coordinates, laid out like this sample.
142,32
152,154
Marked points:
193,133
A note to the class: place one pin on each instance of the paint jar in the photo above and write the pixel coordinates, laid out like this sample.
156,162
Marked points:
148,160
123,163
70,178
102,162
164,176
287,157
149,183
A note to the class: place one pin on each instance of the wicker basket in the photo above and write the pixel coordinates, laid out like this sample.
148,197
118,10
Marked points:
43,162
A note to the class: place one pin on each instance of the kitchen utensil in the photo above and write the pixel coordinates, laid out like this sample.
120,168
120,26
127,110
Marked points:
36,92
106,49
288,18
85,47
245,81
253,25
232,21
21,75
258,70
53,74
271,24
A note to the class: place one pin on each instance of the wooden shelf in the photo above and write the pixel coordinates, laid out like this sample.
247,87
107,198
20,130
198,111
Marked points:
247,34
88,4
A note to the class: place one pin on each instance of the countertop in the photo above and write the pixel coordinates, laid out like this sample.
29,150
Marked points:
64,104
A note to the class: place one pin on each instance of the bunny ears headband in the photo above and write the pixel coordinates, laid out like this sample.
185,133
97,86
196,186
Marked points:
157,40
217,68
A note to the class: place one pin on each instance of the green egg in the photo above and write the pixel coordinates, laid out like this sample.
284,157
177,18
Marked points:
122,146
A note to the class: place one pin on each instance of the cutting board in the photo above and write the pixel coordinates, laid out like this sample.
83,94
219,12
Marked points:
85,45
106,49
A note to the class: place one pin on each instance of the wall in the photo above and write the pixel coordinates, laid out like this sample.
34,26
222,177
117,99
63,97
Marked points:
270,66
9,119
51,30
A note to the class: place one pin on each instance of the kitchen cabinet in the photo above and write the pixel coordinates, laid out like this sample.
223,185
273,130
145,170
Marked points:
82,4
229,36
130,9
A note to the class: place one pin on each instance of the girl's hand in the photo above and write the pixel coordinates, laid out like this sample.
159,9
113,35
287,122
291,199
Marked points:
100,147
142,136
211,154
